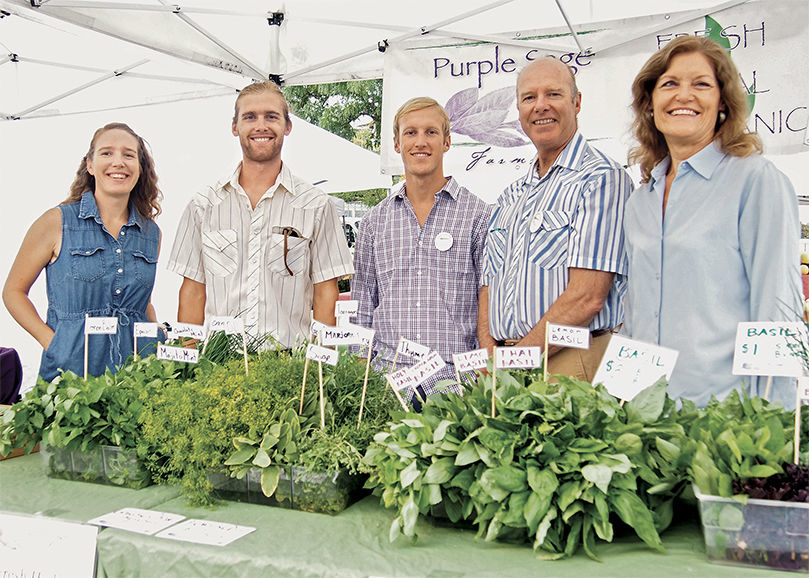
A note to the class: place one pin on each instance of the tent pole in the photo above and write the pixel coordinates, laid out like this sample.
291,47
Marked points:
107,76
274,56
582,50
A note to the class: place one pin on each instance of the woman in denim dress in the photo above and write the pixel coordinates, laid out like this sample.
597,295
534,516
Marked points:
99,250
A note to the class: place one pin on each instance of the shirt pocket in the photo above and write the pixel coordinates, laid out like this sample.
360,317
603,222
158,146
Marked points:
220,252
288,255
548,245
495,251
87,263
145,267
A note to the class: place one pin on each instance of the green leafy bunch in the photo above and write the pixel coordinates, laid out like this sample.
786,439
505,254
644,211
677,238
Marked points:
739,438
553,467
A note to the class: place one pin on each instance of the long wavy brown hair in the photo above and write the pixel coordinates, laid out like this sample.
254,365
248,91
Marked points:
732,134
145,196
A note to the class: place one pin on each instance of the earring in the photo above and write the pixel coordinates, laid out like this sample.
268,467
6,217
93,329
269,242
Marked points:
722,116
651,114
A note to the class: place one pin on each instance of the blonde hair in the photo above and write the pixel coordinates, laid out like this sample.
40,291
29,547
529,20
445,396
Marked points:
258,88
145,195
732,134
419,103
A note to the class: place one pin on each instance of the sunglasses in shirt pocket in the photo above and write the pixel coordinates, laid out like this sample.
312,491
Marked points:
288,254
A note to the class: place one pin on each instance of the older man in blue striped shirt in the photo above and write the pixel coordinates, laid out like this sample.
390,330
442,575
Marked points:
554,251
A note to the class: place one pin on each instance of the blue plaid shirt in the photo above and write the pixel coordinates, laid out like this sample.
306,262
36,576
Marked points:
406,287
571,217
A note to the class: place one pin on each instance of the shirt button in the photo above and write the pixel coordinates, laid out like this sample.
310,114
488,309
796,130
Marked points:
418,303
120,270
418,335
117,291
418,273
123,233
87,252
421,243
117,250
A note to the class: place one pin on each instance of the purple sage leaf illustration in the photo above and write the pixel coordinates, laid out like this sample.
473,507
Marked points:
483,119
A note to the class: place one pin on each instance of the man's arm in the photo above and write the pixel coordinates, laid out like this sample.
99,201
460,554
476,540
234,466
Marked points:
323,300
192,302
485,338
586,291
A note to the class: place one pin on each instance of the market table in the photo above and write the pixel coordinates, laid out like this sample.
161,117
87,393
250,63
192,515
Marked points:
353,543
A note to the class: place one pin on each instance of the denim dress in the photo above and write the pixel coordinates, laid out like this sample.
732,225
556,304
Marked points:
102,276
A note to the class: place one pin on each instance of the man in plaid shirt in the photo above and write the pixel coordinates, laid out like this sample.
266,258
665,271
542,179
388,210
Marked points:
419,253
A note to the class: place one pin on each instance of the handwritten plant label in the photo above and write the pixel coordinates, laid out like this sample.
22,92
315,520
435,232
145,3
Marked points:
364,335
169,353
206,532
343,335
427,367
568,336
411,348
346,308
628,366
322,354
518,357
100,325
771,348
34,546
145,329
188,330
803,389
316,327
230,325
471,360
137,520
401,379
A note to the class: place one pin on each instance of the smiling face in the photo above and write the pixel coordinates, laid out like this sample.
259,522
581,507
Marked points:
422,143
547,106
114,162
686,101
261,126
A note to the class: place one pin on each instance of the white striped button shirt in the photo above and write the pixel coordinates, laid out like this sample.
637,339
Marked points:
571,217
238,252
406,287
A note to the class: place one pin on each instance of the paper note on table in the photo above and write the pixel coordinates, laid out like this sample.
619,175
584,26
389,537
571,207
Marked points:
230,325
137,520
518,357
142,329
100,325
771,348
44,547
322,354
471,360
628,366
169,353
568,336
205,532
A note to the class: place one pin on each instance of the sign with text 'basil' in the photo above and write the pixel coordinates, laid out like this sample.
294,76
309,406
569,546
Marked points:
628,366
771,348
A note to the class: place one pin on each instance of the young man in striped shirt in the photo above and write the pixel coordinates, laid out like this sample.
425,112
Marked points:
419,253
555,251
261,244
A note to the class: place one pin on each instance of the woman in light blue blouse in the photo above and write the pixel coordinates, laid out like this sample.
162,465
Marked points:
712,234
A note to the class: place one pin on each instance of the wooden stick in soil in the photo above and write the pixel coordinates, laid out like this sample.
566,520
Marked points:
86,344
396,393
365,379
305,373
458,377
494,377
244,347
395,356
545,352
322,397
768,388
796,442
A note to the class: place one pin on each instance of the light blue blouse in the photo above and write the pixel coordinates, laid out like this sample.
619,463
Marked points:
726,251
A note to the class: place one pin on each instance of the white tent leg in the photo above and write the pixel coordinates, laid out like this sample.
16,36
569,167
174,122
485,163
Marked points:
584,51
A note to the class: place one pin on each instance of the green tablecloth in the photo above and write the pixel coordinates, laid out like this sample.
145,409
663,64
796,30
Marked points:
354,543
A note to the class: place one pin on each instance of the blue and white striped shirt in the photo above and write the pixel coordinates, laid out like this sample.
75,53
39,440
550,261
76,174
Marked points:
571,217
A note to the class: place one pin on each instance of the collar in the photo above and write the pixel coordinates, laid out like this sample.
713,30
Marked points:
88,209
284,180
452,188
703,162
570,158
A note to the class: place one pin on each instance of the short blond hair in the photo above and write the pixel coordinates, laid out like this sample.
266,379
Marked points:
419,103
258,88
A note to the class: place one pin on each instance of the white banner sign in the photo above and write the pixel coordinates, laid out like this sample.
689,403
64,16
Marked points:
771,348
518,357
169,353
100,325
475,81
322,354
471,360
411,348
230,325
187,330
568,336
628,366
145,329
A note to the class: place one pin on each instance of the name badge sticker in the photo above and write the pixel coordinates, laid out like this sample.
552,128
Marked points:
443,241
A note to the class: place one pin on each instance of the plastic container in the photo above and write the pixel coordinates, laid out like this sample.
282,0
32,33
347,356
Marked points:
108,465
298,489
761,533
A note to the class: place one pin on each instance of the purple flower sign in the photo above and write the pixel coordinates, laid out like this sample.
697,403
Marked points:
483,118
